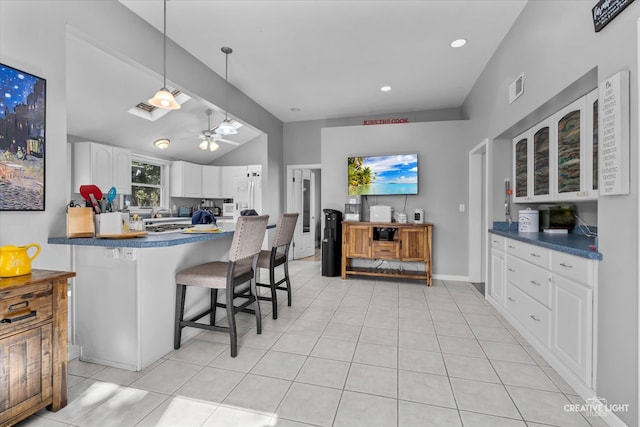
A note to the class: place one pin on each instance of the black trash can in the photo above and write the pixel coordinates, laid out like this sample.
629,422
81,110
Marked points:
332,243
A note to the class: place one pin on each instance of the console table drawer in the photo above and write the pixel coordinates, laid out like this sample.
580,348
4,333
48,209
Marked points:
25,307
385,250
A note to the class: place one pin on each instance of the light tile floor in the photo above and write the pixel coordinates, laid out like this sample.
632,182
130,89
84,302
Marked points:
360,352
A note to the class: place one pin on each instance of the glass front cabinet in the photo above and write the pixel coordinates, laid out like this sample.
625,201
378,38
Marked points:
557,160
532,164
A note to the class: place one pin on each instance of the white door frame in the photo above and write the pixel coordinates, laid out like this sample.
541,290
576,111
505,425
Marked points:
291,190
479,196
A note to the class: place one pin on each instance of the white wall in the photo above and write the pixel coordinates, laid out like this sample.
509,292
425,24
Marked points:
442,149
554,44
32,38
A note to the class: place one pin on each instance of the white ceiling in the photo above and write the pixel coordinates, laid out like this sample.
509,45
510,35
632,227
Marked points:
328,58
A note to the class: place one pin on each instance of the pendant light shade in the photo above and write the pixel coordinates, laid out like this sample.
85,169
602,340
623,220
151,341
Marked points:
226,128
163,98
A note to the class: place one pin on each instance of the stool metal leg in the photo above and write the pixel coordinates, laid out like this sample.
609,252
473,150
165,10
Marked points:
272,283
214,300
181,291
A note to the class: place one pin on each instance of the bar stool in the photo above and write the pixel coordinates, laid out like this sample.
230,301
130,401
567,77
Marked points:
278,255
230,276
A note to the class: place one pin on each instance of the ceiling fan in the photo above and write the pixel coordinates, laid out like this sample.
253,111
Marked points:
210,138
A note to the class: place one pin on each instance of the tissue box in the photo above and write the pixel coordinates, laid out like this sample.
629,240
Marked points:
109,223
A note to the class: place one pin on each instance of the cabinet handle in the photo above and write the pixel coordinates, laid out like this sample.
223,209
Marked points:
511,299
535,283
562,264
535,255
534,318
19,306
511,247
33,313
511,270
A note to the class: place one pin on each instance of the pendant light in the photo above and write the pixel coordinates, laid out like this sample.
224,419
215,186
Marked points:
226,128
208,139
163,98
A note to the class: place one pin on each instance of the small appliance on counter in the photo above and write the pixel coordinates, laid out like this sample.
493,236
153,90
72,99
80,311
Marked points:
402,218
227,209
528,221
185,212
557,218
353,208
418,216
380,213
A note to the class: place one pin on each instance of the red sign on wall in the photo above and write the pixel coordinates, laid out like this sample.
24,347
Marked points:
385,121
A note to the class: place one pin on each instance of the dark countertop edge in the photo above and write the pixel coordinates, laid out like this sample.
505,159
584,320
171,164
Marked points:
534,239
149,241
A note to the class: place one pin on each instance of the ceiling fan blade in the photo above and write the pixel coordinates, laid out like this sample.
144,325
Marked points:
227,141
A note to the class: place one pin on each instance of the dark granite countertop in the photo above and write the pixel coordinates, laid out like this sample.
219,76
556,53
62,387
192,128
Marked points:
571,243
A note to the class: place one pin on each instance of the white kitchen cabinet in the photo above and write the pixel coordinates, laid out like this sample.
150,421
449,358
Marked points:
572,338
557,160
186,179
497,281
101,165
550,297
532,164
211,182
230,174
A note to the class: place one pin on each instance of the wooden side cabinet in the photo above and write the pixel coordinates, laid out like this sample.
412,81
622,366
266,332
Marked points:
370,240
33,344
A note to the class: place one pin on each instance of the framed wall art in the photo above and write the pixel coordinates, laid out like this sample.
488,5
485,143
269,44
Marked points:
22,140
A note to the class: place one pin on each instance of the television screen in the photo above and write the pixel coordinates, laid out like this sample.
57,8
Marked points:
383,175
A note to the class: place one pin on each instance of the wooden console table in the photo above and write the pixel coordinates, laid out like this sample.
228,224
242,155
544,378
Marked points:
369,240
33,344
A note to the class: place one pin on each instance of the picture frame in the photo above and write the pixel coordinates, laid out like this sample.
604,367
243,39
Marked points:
22,140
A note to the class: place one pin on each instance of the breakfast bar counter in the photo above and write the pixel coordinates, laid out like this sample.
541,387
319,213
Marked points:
124,292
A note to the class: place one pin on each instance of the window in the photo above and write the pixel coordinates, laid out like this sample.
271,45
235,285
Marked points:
146,184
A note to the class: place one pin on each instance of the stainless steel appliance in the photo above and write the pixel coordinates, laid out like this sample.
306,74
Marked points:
557,217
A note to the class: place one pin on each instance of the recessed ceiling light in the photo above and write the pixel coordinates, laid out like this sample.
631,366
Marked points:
458,43
385,88
162,143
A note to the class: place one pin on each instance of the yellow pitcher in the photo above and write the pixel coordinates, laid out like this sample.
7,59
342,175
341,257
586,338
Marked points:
15,261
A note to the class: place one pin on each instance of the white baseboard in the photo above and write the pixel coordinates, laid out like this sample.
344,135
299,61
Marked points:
451,277
73,351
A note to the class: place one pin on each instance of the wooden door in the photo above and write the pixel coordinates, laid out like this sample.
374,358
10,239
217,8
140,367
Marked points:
25,371
358,241
414,243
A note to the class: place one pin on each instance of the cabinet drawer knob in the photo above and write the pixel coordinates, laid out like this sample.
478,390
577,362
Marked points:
511,270
535,255
511,247
562,264
511,299
535,283
33,313
534,318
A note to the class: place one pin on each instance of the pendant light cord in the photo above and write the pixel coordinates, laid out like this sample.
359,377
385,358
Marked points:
226,81
164,48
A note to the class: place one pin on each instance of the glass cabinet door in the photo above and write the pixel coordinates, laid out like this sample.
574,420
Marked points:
541,161
520,162
570,130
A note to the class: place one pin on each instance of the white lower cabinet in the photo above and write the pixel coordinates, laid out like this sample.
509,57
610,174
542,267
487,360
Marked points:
573,318
550,297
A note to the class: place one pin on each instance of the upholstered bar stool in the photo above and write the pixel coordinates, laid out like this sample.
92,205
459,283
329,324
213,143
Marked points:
236,277
277,256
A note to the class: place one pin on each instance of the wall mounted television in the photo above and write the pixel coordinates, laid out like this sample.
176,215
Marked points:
383,175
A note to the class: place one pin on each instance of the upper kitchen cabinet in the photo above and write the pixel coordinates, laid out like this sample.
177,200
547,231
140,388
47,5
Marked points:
569,162
591,175
211,182
557,160
521,168
532,164
186,179
102,165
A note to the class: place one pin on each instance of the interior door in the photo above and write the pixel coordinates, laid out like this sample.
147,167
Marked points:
304,203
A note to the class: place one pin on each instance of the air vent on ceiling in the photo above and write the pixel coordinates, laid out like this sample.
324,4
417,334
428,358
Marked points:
516,88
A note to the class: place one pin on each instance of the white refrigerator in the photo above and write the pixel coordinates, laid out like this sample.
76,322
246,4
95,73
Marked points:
247,191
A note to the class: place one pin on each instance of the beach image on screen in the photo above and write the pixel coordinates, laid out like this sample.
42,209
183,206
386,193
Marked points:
383,175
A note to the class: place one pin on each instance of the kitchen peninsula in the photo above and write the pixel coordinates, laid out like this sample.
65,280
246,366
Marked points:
124,293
